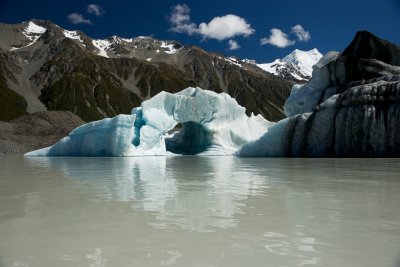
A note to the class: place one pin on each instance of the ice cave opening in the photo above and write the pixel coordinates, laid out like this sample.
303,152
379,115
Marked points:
189,138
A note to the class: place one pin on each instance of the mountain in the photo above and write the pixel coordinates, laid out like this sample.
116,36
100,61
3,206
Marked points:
349,108
45,67
297,66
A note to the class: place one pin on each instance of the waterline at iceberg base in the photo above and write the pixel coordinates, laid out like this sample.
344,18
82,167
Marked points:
210,124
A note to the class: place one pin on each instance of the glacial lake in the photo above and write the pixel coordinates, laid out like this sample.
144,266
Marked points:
199,211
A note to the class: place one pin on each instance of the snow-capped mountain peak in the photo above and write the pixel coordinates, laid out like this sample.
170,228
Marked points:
304,59
296,66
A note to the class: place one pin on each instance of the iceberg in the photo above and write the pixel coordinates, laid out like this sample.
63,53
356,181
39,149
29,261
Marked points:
349,108
193,121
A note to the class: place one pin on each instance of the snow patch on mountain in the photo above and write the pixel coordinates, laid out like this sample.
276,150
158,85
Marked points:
233,61
117,40
128,40
73,35
249,61
33,32
271,67
102,45
141,42
170,49
33,28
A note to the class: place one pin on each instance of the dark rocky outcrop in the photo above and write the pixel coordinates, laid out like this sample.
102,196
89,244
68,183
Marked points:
368,46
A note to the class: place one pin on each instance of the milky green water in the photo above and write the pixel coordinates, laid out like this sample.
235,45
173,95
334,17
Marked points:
199,211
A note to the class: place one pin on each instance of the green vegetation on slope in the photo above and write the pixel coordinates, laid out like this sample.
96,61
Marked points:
12,105
85,88
95,87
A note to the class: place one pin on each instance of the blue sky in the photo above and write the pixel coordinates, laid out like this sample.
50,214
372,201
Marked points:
255,29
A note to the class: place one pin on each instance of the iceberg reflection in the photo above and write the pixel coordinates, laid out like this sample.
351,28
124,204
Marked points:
195,193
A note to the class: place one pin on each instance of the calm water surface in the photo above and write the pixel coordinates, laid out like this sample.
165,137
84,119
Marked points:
199,211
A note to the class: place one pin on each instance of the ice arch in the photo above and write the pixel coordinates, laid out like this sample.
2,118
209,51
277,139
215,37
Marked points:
213,124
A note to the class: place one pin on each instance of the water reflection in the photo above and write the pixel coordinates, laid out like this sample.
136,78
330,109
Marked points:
215,211
196,196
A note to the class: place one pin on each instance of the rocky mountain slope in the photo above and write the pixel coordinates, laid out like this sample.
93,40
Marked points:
44,67
350,107
36,130
297,66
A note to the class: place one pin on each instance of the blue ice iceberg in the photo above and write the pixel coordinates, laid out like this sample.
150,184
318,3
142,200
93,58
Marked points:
210,123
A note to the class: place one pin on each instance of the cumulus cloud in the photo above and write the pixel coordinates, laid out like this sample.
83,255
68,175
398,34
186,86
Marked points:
220,28
277,38
280,39
180,20
233,45
76,18
301,34
95,10
225,27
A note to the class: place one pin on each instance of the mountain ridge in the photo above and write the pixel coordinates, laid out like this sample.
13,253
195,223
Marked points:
58,69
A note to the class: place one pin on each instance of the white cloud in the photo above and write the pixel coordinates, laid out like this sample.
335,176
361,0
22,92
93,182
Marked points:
76,18
301,34
233,45
220,28
180,20
95,9
225,27
277,38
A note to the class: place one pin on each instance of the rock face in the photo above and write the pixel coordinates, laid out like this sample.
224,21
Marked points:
212,124
36,130
45,67
350,107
